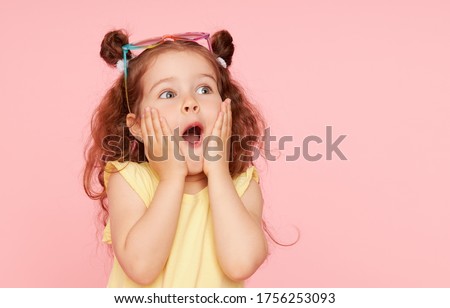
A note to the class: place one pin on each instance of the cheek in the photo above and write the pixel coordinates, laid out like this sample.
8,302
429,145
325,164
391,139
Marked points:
167,113
211,111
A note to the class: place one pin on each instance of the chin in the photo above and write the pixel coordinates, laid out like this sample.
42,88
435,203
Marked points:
194,158
195,167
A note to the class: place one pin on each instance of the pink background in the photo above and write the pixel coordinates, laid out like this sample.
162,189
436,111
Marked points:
377,71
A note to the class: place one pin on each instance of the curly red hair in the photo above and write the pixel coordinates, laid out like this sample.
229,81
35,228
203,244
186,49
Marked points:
109,119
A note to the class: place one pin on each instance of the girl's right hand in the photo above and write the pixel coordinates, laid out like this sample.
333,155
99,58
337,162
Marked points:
160,146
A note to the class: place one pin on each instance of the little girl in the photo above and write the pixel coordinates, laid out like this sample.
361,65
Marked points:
180,199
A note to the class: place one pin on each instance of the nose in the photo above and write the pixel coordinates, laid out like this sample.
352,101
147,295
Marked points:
190,105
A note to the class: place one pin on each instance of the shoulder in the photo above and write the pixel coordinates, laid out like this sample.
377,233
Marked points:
119,190
248,188
138,177
129,170
244,180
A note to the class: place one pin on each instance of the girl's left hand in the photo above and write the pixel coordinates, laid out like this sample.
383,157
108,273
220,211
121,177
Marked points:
217,160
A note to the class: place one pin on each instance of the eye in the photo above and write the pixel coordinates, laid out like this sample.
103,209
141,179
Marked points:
204,90
167,94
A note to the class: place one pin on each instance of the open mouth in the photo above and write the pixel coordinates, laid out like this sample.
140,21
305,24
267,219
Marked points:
193,134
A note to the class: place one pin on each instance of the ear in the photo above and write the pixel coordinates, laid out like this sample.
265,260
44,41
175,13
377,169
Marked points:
134,124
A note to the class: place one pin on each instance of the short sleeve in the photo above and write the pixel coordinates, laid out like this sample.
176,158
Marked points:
141,179
243,180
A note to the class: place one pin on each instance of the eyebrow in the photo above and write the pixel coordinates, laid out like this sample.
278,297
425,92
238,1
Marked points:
161,81
209,76
172,78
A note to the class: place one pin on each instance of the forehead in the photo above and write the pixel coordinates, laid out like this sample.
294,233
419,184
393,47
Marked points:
178,64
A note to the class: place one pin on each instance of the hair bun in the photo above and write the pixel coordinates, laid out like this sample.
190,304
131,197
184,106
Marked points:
222,45
111,47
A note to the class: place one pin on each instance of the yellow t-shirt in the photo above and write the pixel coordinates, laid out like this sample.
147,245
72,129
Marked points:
192,261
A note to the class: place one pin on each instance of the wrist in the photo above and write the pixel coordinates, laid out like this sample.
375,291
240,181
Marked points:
218,171
173,178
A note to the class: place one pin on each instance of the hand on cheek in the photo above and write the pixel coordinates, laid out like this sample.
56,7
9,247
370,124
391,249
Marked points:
161,149
216,147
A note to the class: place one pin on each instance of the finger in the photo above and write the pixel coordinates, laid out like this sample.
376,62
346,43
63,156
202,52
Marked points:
144,133
151,138
165,126
148,122
173,141
218,125
227,133
225,122
165,133
230,118
156,124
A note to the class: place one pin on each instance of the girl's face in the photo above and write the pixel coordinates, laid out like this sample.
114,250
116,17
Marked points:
182,86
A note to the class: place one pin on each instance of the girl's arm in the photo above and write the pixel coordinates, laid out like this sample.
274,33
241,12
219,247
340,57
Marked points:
142,237
240,242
